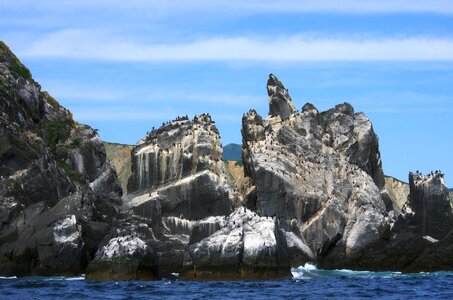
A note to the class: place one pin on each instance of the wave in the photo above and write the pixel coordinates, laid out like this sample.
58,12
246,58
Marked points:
49,278
311,271
57,278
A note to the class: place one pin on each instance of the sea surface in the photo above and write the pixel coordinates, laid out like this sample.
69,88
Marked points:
308,283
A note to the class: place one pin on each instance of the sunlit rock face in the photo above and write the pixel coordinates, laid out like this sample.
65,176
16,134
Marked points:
245,247
395,194
58,194
180,166
126,253
178,187
321,170
420,237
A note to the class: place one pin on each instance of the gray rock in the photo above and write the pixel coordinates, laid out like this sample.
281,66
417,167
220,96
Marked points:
55,183
429,205
280,103
180,166
126,254
246,247
395,194
420,238
321,169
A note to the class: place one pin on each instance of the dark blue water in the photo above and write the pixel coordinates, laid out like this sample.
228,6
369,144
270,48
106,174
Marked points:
307,283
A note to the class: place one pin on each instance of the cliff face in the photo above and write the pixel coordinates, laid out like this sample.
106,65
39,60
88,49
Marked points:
119,156
322,170
395,194
180,215
245,247
420,237
178,179
429,205
57,192
180,166
313,191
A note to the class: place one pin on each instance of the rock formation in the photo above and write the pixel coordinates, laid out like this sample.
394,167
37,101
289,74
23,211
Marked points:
58,194
178,177
420,238
395,194
313,191
180,166
179,207
280,103
246,247
321,170
429,205
119,156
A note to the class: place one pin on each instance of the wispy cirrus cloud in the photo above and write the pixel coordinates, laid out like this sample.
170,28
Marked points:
82,93
81,44
251,6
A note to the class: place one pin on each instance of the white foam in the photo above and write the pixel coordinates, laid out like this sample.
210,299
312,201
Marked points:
304,272
309,267
12,277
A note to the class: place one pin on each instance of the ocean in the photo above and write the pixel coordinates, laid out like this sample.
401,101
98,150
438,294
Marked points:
308,283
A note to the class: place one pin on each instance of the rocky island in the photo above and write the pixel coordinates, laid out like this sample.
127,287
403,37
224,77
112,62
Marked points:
313,190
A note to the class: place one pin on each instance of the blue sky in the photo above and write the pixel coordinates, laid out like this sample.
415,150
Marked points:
126,66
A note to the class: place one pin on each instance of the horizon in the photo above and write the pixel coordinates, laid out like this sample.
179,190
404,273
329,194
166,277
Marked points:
124,68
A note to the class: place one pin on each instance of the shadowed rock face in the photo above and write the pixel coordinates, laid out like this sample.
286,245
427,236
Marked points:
180,166
280,103
420,238
429,205
322,170
58,194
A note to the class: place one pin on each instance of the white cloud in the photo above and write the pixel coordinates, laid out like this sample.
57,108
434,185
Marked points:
250,6
80,44
119,114
79,92
143,114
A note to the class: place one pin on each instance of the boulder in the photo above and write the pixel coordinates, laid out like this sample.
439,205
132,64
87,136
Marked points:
126,254
246,247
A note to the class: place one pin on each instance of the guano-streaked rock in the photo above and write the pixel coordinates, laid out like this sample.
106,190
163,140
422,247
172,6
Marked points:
322,170
180,166
246,247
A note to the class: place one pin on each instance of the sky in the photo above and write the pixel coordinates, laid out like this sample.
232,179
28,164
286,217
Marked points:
124,67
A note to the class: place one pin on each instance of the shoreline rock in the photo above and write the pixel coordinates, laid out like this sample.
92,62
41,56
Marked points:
313,191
